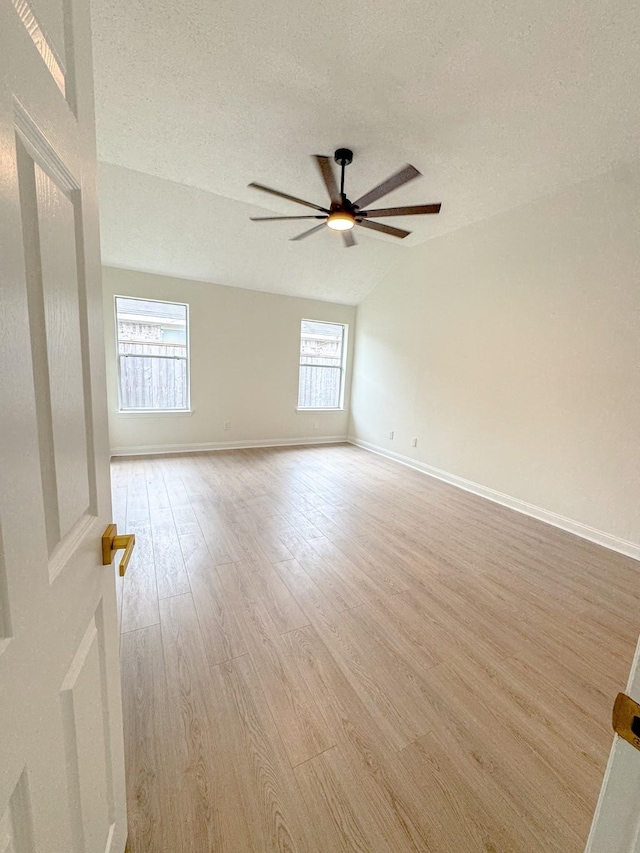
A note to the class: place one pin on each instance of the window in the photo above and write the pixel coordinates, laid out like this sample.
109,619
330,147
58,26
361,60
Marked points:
322,357
153,355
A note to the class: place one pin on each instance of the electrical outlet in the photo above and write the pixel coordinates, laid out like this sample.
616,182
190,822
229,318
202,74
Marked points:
315,424
414,442
390,433
227,425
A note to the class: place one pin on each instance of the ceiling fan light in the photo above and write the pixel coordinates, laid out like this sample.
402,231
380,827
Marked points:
340,220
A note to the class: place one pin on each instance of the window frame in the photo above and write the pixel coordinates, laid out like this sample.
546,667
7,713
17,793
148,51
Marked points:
342,367
187,410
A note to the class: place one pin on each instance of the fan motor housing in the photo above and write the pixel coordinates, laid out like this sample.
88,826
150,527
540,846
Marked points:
346,206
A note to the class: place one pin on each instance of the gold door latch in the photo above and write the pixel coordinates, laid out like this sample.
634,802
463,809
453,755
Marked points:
626,719
111,543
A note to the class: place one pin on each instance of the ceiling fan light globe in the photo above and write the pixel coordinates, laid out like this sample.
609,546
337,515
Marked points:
340,220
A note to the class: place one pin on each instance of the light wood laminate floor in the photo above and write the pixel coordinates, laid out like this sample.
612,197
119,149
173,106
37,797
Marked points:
325,651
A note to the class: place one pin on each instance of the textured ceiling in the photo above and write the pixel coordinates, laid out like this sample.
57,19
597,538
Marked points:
497,103
159,226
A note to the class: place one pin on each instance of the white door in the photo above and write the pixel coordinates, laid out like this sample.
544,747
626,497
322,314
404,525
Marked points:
61,749
616,823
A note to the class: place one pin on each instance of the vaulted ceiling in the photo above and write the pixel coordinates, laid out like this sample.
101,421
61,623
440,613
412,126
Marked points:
496,103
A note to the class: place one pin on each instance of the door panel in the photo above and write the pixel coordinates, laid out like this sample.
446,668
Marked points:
58,265
55,321
16,832
61,750
44,21
82,703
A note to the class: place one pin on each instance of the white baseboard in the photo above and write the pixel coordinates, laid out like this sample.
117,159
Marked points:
629,549
160,449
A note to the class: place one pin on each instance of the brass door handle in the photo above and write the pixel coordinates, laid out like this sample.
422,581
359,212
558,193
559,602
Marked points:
626,719
111,543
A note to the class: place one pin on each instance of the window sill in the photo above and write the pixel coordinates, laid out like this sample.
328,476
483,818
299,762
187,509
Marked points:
337,409
154,413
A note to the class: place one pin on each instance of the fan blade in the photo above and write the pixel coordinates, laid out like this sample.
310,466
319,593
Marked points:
309,232
288,197
273,218
326,170
402,211
386,229
348,239
407,173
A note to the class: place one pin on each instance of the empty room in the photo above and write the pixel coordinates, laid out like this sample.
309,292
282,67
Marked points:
320,459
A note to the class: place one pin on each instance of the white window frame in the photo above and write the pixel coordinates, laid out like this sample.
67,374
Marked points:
342,367
187,357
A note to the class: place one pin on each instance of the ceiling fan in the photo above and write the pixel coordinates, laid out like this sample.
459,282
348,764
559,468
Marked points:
343,214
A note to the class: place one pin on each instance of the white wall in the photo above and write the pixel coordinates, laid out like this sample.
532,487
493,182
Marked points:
511,350
244,366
